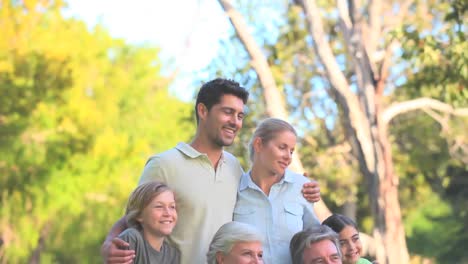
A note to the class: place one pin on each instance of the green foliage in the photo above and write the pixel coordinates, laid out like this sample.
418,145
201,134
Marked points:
435,54
431,156
433,187
432,229
80,112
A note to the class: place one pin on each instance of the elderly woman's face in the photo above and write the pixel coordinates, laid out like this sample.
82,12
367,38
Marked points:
243,253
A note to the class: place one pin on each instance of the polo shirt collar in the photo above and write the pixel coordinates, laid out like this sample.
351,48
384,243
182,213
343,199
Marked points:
191,152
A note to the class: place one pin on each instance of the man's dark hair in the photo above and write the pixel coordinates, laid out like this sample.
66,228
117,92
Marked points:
211,92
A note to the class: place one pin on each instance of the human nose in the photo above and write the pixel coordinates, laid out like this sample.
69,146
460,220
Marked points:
288,155
167,210
235,121
352,246
257,260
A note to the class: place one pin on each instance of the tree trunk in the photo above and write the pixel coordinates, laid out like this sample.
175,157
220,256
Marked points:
367,135
35,257
274,100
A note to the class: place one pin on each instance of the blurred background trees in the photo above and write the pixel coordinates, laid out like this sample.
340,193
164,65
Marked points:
344,67
80,112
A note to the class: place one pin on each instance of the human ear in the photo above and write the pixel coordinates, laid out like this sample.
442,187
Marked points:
202,110
219,257
139,219
257,144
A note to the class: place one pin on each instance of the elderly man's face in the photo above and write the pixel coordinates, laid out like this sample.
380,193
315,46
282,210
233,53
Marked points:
322,252
243,253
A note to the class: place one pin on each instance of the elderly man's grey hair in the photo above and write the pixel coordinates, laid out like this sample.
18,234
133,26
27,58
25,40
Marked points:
309,236
228,235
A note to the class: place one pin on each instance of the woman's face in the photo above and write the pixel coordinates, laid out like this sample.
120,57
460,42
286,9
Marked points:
243,253
276,154
351,246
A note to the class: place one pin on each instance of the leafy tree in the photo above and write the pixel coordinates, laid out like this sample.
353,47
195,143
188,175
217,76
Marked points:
80,112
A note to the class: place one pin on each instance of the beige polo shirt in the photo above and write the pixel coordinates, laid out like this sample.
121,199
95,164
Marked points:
205,198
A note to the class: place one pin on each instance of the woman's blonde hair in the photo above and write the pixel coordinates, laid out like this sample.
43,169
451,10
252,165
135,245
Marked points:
267,130
140,198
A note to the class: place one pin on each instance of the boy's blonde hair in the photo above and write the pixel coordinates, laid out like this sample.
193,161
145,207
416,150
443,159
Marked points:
140,198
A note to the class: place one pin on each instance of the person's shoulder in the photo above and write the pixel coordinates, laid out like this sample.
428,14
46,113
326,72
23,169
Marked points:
168,153
233,163
130,232
297,177
165,155
230,157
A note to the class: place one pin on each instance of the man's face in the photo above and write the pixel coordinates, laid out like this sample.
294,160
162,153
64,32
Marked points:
224,120
321,252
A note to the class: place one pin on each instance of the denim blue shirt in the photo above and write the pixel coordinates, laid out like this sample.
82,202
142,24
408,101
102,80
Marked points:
277,216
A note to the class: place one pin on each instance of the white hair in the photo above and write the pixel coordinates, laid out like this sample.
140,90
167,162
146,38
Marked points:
228,235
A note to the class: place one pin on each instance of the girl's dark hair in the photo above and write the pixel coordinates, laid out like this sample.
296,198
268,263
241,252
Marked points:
337,222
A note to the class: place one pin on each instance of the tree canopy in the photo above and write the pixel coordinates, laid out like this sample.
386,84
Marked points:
80,112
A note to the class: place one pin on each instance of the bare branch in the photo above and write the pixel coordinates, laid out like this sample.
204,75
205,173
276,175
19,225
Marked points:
275,103
392,21
437,117
419,104
383,71
344,14
375,27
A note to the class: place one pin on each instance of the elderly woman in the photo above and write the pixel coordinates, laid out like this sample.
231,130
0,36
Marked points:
236,243
269,194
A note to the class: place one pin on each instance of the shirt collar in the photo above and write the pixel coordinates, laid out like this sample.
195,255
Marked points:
193,153
288,176
246,180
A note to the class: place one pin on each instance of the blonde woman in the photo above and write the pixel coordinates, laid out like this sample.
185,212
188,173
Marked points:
269,195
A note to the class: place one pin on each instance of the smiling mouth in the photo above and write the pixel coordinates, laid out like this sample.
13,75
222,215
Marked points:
355,254
230,131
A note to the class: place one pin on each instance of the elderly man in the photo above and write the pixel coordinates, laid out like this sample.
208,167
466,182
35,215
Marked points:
318,244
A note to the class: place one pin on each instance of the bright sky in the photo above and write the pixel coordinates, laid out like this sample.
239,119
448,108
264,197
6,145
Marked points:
166,24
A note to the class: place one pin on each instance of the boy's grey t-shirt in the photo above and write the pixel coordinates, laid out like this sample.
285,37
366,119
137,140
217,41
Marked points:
145,254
